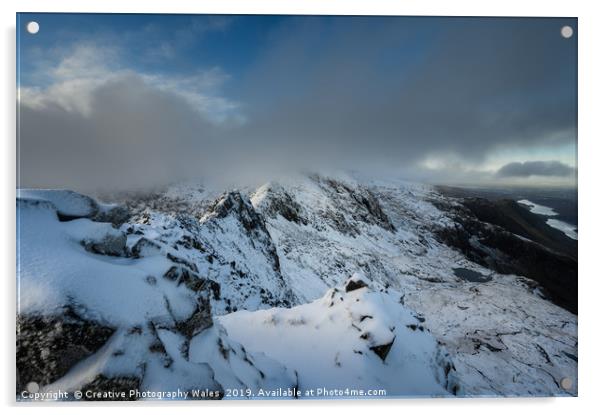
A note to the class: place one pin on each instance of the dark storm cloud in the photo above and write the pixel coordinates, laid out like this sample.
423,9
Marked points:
535,168
335,92
401,89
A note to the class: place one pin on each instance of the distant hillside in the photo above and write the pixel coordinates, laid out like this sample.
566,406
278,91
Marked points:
517,219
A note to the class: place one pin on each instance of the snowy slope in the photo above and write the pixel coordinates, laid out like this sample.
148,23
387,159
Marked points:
504,338
148,318
352,338
200,288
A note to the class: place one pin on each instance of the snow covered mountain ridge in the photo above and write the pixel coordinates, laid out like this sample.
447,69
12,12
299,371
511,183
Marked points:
300,284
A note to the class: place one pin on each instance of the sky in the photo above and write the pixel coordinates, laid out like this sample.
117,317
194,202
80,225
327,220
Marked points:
129,101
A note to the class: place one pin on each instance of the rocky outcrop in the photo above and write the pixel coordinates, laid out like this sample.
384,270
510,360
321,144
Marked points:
382,350
200,320
354,284
279,202
233,203
193,281
116,215
237,236
358,202
110,244
49,346
239,208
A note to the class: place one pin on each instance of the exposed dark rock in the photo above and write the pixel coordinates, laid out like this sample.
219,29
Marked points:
383,350
156,346
283,204
358,202
223,350
200,320
174,273
192,281
337,221
135,330
451,383
191,243
116,215
196,284
182,261
145,247
110,244
372,205
48,346
235,205
353,285
139,202
470,275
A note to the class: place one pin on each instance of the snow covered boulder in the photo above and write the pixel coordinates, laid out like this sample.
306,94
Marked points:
111,243
72,205
358,340
69,204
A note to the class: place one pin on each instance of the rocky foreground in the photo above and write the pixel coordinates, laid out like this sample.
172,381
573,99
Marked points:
297,285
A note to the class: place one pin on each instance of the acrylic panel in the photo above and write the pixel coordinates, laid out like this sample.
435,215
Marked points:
295,207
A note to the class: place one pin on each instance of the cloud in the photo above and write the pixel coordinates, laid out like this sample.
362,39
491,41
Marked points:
100,126
201,90
536,168
74,78
401,91
371,93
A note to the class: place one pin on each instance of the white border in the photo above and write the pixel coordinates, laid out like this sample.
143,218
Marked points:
590,71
